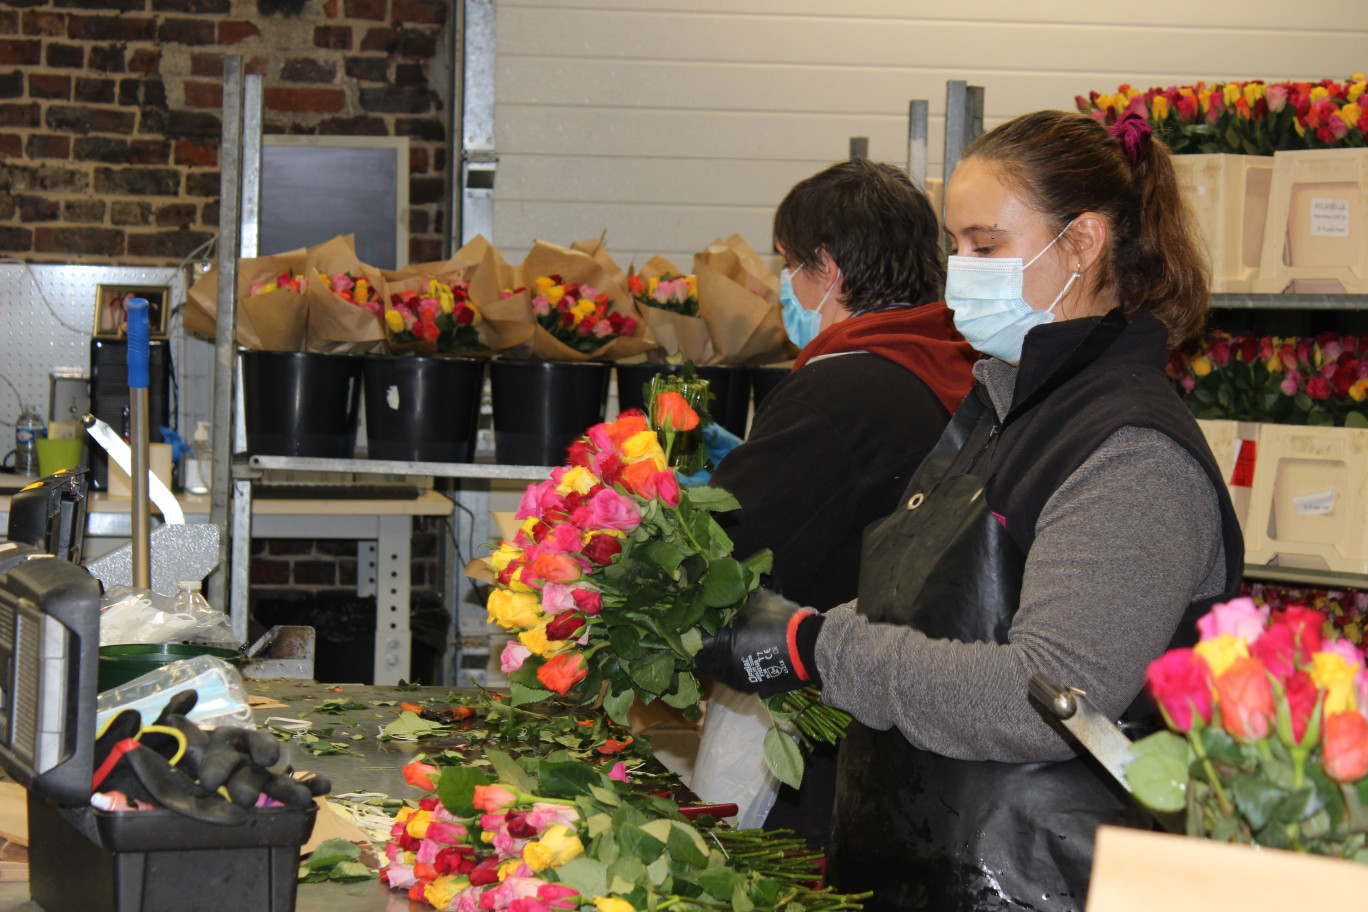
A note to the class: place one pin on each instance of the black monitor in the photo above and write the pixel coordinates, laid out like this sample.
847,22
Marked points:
50,514
49,653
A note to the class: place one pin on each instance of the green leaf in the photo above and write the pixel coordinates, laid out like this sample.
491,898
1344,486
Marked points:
566,780
686,844
725,584
706,497
663,555
616,704
720,882
351,872
1159,781
598,823
605,796
410,727
761,562
630,865
658,871
625,640
331,852
654,675
456,788
587,875
524,694
1356,420
783,758
1256,798
508,770
686,693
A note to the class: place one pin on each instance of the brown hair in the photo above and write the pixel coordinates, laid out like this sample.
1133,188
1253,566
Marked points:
878,227
1068,164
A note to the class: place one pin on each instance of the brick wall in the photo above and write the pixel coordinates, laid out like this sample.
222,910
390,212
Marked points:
292,567
109,112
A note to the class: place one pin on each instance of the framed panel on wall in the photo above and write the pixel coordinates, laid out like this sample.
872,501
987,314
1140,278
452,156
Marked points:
316,187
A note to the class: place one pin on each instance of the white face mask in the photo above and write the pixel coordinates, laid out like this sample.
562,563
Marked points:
985,295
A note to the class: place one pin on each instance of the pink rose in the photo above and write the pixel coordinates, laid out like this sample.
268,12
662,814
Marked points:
543,815
564,537
513,656
1290,382
1277,98
1345,650
619,772
667,488
493,798
611,510
1238,617
445,833
557,597
539,498
1180,682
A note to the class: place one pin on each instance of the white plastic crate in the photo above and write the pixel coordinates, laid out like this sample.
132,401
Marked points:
1228,196
1309,504
1235,445
1317,235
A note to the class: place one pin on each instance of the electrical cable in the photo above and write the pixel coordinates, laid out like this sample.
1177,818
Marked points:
18,397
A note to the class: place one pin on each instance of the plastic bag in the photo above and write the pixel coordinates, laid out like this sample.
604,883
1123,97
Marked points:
222,697
730,767
139,616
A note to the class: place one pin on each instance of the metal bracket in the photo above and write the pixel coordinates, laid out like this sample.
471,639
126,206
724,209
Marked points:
918,119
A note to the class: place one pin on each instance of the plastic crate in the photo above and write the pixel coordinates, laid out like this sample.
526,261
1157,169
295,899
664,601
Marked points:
1309,504
1317,235
1235,445
161,861
1228,196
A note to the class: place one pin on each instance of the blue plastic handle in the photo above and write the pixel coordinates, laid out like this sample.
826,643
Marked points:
137,342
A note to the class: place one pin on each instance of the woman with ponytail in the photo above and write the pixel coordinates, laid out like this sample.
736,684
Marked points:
1071,522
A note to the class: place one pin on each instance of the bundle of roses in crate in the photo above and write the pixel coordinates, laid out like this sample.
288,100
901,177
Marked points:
550,834
1269,740
1248,118
1319,381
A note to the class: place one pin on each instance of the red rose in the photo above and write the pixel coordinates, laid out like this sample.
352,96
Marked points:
564,626
635,284
517,825
587,601
486,872
601,549
578,453
1180,682
1318,388
561,673
1302,697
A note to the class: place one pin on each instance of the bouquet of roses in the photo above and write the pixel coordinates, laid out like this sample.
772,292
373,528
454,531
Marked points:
1269,740
551,834
288,280
576,314
436,312
355,290
1317,381
677,294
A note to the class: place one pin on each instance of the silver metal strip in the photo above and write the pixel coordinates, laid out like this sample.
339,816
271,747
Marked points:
395,467
918,121
225,334
241,557
479,164
393,600
251,166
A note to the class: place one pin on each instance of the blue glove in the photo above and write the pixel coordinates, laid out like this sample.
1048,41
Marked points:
719,442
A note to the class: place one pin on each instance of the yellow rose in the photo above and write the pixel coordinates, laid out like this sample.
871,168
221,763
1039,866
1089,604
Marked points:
508,867
1201,365
1274,364
440,892
1350,114
1359,391
543,283
534,638
641,445
554,293
1221,652
1296,122
652,284
504,555
1159,107
1131,93
612,904
1253,91
578,479
1204,100
476,315
1356,90
394,321
513,610
361,291
1319,93
1231,93
693,285
404,814
583,308
1333,674
556,846
417,826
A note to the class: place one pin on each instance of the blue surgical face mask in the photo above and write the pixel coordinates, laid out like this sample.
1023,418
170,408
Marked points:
801,324
985,295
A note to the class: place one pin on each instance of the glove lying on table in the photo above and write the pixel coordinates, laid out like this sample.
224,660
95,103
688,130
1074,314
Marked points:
176,765
769,649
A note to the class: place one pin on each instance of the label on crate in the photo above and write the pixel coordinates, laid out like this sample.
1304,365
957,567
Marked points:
1329,217
1316,504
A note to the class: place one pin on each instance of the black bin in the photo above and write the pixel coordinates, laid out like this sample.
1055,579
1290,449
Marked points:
541,407
422,409
730,387
301,403
84,860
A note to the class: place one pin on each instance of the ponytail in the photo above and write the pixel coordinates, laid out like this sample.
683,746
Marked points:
1069,164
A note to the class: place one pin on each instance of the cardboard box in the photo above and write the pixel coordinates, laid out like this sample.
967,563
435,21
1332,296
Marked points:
1228,196
1317,235
1309,503
1140,871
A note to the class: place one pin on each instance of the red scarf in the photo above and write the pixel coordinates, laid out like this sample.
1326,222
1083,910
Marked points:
920,339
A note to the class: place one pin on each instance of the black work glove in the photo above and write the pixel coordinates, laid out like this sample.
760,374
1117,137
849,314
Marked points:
769,649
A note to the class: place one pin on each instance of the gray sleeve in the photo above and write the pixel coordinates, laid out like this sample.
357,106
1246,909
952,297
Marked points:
1121,549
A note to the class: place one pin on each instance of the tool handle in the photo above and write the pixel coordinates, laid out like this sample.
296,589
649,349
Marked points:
1058,700
137,342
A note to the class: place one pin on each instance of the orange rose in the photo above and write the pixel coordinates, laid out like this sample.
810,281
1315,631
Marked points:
1246,699
630,423
639,478
1346,746
563,672
422,775
673,413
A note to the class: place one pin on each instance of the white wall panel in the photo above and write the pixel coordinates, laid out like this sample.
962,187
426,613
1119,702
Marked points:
669,122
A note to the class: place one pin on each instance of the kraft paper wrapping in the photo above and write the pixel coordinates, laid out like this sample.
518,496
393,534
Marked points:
274,321
678,336
738,299
572,266
495,334
335,325
477,252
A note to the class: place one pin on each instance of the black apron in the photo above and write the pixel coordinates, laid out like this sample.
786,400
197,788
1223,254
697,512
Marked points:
929,832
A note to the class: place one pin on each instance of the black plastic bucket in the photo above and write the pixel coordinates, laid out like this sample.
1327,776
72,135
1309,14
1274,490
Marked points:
422,409
540,407
729,385
301,403
765,379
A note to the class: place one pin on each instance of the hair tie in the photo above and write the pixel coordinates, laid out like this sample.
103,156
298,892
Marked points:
1132,131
